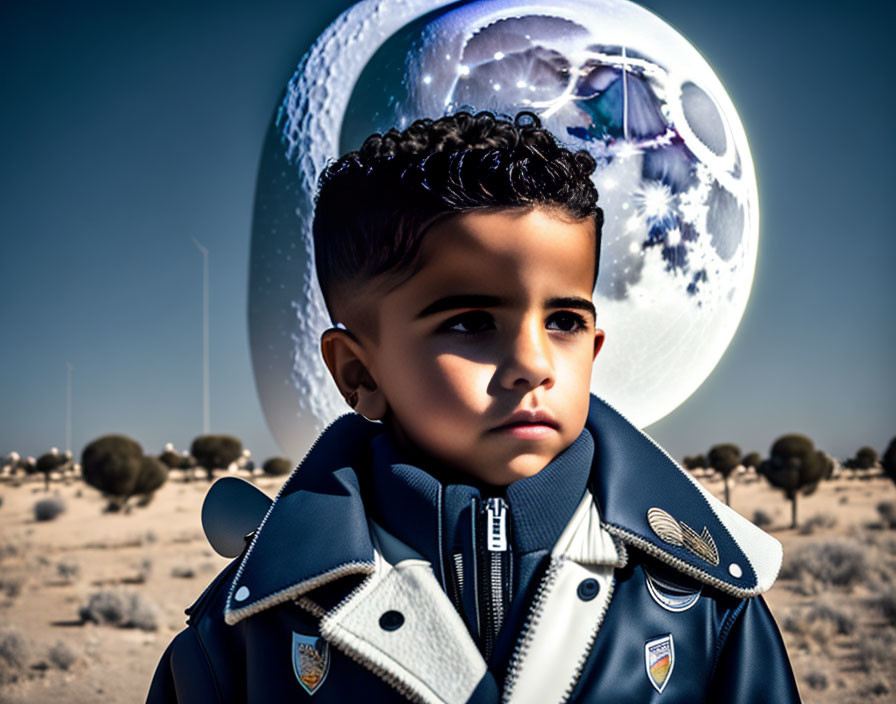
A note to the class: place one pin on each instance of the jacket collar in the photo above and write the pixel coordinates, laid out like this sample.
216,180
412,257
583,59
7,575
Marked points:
643,497
646,499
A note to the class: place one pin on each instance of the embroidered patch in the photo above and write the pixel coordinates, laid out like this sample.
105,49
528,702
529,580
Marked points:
680,533
672,597
659,658
310,661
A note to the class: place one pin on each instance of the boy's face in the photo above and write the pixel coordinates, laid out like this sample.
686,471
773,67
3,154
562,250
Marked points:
482,361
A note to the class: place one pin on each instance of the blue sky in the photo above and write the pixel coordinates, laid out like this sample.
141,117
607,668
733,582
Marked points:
129,128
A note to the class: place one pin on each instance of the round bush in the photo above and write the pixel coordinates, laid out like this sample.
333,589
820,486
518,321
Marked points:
277,466
216,451
112,464
48,509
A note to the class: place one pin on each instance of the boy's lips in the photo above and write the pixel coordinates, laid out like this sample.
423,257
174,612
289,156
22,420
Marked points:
529,424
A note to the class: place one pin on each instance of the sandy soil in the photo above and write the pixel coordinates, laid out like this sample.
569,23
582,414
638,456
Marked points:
49,570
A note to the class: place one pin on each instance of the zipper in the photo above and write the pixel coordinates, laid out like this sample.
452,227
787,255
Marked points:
495,576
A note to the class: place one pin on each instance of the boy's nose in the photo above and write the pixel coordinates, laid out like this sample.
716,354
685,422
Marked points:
527,363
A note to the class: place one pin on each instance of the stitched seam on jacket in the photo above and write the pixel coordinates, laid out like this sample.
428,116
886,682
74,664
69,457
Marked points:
683,566
234,616
725,631
208,662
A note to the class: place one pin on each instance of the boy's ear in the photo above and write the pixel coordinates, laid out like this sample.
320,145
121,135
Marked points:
599,337
345,359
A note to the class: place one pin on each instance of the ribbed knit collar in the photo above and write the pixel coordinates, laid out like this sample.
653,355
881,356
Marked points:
406,499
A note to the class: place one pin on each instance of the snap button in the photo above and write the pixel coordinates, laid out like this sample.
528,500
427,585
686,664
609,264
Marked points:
391,620
735,571
241,594
588,589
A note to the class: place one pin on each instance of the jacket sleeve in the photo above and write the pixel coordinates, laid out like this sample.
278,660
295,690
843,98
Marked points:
752,666
183,674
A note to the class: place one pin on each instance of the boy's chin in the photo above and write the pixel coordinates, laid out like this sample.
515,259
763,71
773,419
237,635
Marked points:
502,474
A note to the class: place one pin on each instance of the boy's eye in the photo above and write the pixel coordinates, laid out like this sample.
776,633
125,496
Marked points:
470,323
566,321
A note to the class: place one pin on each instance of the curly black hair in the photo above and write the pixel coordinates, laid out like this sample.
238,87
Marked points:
374,205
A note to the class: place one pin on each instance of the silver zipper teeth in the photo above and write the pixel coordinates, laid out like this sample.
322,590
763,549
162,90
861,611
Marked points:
583,658
459,571
532,620
242,567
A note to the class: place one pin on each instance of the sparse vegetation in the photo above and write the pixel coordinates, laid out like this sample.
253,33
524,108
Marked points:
695,462
151,476
13,655
887,511
752,459
48,509
111,464
215,452
123,610
277,466
888,460
61,655
11,587
67,570
795,467
724,459
48,463
820,521
183,572
837,563
761,518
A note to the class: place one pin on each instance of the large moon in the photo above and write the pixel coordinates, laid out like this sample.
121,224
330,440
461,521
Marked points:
675,178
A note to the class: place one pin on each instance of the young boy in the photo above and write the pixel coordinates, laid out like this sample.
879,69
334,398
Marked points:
481,529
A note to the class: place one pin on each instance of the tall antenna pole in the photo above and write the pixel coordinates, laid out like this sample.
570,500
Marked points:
68,406
206,403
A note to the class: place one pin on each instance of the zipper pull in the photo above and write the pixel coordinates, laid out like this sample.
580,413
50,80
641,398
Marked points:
496,524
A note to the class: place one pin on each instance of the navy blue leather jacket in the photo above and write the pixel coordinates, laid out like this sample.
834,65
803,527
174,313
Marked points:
615,577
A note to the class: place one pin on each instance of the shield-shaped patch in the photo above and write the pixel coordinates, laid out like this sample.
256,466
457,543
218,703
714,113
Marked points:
659,658
310,661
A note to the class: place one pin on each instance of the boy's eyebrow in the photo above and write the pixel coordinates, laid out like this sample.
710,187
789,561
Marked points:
483,301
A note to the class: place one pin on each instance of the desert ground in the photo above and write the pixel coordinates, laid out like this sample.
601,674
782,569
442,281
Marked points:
90,600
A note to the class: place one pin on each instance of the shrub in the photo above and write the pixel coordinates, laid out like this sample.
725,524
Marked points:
13,655
835,563
170,459
817,680
866,458
761,519
887,511
215,451
888,460
751,460
820,521
125,611
277,466
150,477
112,464
48,509
696,462
62,656
48,463
103,608
67,570
724,459
11,586
183,572
795,467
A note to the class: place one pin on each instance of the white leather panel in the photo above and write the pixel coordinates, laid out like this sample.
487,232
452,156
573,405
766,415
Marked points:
431,655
